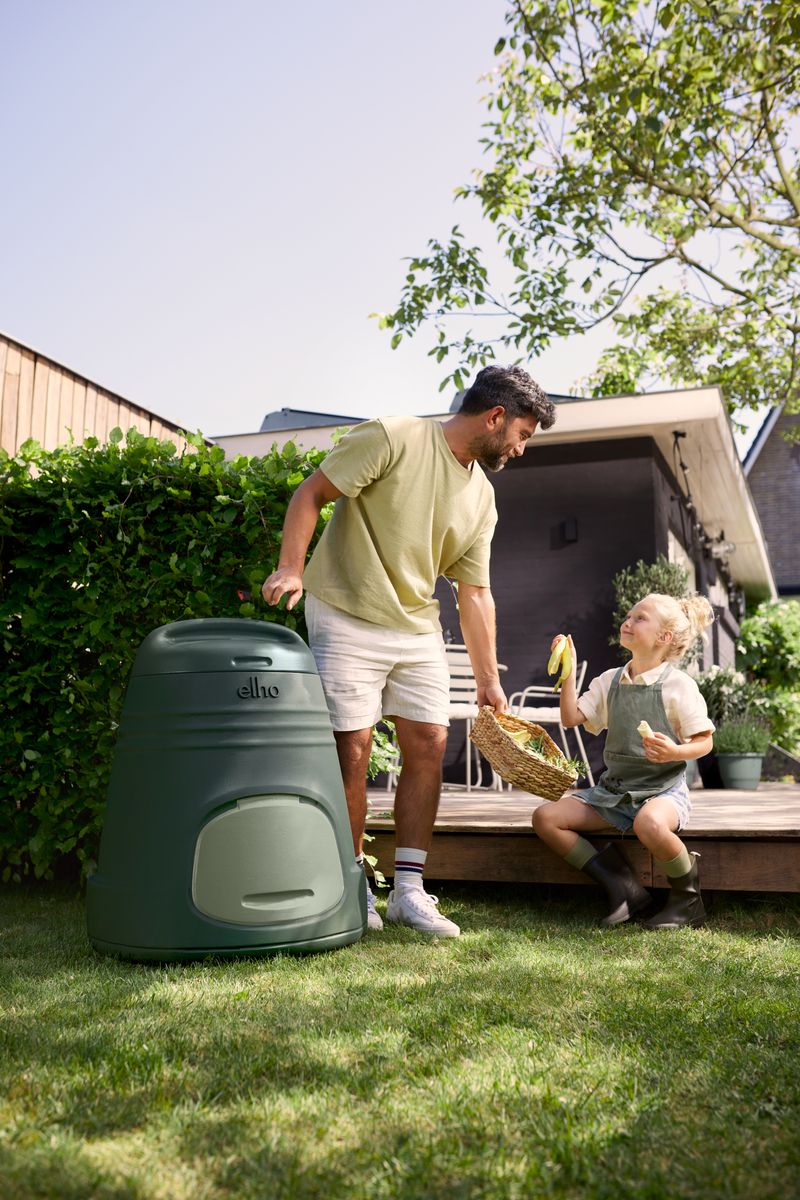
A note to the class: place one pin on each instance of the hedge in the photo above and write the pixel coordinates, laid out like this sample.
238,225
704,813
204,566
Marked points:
99,545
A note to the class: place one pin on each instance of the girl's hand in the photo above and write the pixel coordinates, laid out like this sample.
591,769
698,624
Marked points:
660,748
571,646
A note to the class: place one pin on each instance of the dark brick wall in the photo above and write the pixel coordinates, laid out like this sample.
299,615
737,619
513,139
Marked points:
775,484
623,499
541,582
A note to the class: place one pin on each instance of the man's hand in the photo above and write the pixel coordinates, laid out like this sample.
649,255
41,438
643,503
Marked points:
493,695
660,748
282,582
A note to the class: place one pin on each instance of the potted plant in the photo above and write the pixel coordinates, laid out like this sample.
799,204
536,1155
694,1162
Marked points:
740,747
729,697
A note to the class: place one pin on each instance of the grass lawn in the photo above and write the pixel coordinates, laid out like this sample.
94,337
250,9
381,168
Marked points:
536,1056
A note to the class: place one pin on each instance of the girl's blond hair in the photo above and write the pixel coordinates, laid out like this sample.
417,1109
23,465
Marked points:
685,619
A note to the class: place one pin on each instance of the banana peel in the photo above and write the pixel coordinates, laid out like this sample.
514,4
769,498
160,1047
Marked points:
561,658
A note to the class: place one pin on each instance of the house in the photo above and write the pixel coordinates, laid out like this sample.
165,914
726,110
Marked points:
772,468
43,400
615,480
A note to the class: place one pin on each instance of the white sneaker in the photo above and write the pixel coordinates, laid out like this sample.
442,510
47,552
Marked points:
373,916
415,907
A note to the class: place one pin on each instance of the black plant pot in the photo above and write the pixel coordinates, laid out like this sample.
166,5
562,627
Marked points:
709,771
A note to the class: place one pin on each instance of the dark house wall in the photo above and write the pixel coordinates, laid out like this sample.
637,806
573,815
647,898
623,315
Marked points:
569,518
775,483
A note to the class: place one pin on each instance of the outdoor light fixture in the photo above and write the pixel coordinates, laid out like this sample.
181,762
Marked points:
719,547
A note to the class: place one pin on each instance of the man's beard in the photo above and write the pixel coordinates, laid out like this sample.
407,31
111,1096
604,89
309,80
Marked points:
489,452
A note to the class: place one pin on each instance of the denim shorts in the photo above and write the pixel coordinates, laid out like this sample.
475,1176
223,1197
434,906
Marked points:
622,815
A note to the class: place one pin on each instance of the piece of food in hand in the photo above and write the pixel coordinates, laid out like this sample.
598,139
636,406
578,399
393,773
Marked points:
561,657
555,655
644,730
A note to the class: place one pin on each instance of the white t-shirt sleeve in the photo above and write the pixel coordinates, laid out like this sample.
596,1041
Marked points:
690,713
594,702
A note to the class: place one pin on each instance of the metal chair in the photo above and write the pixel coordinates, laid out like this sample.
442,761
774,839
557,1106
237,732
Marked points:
524,704
464,706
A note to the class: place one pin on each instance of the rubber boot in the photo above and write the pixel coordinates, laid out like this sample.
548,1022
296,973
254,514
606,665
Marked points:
684,905
626,894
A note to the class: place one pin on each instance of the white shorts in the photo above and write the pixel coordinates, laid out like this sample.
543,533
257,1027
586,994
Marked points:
369,671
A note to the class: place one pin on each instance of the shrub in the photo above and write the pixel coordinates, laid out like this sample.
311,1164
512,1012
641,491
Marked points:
781,709
728,694
741,737
99,545
632,584
769,644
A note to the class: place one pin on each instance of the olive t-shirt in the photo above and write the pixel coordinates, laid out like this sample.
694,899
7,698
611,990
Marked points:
410,512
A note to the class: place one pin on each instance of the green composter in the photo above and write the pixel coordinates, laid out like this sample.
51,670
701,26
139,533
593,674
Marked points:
226,828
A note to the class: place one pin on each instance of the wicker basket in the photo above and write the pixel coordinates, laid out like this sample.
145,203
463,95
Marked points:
517,766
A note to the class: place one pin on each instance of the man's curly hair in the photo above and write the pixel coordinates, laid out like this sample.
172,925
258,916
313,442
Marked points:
514,390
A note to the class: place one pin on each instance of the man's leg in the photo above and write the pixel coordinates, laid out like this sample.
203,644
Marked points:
418,789
422,746
353,748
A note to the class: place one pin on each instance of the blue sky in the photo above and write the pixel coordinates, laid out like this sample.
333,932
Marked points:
202,203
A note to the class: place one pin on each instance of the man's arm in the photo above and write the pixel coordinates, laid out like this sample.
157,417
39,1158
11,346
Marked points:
298,529
477,613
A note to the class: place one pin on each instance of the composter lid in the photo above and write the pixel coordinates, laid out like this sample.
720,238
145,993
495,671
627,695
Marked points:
222,644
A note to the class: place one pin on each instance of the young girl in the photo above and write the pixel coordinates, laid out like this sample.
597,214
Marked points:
644,784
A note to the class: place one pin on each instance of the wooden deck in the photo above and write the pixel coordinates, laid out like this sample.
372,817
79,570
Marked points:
749,841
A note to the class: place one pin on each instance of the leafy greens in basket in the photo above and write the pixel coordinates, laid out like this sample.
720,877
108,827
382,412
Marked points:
535,744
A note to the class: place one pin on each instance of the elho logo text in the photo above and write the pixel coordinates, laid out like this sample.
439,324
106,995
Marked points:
253,690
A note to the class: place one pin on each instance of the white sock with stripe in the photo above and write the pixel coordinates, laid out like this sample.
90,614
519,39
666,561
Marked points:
408,867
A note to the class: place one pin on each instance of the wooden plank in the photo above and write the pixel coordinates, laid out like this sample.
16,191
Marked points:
51,424
25,408
488,836
751,866
111,414
39,414
65,431
78,410
101,420
90,411
124,417
8,421
745,865
3,356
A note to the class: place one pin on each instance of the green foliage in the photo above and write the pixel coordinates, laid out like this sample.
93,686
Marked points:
729,695
632,584
626,155
385,756
780,708
741,737
769,644
98,546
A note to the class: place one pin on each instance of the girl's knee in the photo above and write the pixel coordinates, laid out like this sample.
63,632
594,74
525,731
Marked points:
540,817
648,825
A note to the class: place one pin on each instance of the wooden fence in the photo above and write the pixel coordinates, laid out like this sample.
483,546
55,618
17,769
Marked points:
40,399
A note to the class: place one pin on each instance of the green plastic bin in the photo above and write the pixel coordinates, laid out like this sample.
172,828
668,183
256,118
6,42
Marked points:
226,829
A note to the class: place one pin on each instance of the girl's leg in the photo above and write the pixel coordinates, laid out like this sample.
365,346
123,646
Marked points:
558,825
655,826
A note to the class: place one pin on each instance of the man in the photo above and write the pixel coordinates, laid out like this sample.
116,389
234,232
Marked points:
412,503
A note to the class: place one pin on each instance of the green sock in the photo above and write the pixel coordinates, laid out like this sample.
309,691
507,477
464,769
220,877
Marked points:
681,864
580,853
